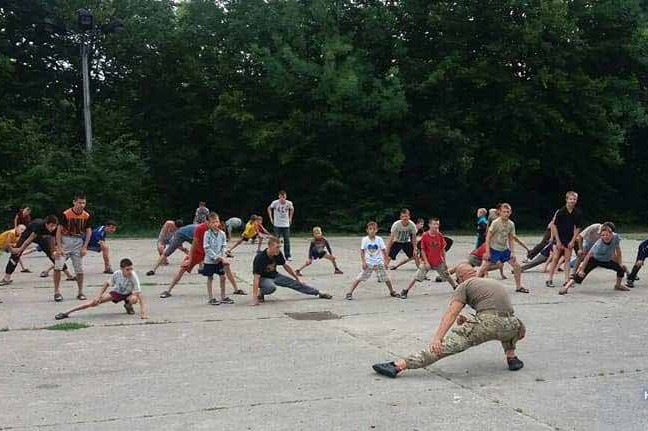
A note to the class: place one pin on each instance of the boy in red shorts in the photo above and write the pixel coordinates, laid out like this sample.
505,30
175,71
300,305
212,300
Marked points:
125,287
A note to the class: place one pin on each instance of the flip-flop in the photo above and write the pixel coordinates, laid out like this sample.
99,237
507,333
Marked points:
58,297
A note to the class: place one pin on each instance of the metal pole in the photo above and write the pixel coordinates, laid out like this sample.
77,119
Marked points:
86,93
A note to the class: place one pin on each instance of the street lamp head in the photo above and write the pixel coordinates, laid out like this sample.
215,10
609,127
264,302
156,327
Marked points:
86,20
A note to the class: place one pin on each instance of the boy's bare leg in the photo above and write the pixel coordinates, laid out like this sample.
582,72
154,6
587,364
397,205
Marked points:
93,303
230,276
517,273
353,286
307,263
390,286
222,286
79,280
57,282
176,279
210,288
236,245
554,264
105,252
567,254
333,261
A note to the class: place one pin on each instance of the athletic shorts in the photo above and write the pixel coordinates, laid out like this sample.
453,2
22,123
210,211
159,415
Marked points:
94,247
72,246
118,297
317,255
642,251
500,256
396,248
189,262
441,269
175,244
246,238
209,269
474,260
381,274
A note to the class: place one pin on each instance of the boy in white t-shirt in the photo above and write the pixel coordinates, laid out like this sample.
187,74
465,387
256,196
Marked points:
373,254
125,287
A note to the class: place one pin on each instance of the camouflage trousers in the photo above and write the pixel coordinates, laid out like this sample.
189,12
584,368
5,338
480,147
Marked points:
481,328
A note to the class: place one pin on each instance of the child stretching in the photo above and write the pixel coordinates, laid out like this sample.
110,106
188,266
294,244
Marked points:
373,254
215,246
125,287
319,249
253,229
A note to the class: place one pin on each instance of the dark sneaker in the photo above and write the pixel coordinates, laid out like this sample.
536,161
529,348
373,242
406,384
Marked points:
81,297
394,294
338,271
550,283
348,296
165,294
213,301
151,272
129,308
26,270
438,279
44,274
61,316
108,271
387,369
58,297
403,294
239,292
515,364
227,300
323,295
630,283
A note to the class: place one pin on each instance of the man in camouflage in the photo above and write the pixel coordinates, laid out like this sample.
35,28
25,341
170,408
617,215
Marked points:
494,320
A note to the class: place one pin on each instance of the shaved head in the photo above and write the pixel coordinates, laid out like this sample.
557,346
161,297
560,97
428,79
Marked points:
465,271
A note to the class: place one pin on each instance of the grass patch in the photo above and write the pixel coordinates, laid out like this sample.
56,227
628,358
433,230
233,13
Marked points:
67,326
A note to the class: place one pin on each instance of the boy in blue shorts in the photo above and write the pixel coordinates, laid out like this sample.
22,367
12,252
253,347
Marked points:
98,243
499,246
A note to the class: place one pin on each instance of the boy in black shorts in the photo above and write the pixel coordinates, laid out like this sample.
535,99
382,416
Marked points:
319,249
402,238
565,228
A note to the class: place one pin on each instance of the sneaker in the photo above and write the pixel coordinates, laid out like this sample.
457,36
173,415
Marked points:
338,271
165,294
81,297
394,294
58,297
348,296
239,292
549,283
562,291
61,316
129,308
323,295
151,272
108,271
386,369
44,274
514,364
26,270
227,300
630,283
5,282
438,279
403,294
213,301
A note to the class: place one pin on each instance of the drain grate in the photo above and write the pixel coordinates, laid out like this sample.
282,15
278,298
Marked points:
313,315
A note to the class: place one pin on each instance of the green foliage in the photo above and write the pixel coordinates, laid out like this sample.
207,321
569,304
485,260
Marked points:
67,326
357,108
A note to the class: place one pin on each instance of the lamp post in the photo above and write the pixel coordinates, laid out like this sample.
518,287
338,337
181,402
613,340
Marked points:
87,29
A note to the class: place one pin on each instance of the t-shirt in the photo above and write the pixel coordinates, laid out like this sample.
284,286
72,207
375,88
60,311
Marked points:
479,251
319,245
125,285
403,233
251,230
8,239
98,234
373,249
266,265
197,249
603,251
186,233
201,215
38,227
482,225
281,212
432,244
75,224
483,294
591,233
500,230
565,222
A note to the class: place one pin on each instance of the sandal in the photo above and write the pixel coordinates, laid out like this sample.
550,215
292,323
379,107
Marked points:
81,297
61,316
213,301
26,270
227,300
5,282
395,294
522,290
108,271
338,272
44,274
151,272
348,296
325,295
58,297
165,294
239,292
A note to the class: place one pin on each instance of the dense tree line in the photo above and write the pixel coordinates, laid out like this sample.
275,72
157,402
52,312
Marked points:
357,108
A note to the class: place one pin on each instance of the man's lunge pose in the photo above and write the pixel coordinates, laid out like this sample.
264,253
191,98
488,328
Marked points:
181,235
125,287
72,238
499,246
266,277
403,237
433,253
281,212
494,320
565,228
166,234
606,253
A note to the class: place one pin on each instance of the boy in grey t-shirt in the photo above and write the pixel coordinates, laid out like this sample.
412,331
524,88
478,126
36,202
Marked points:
402,238
125,287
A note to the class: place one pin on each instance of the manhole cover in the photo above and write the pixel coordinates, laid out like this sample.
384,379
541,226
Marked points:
313,315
